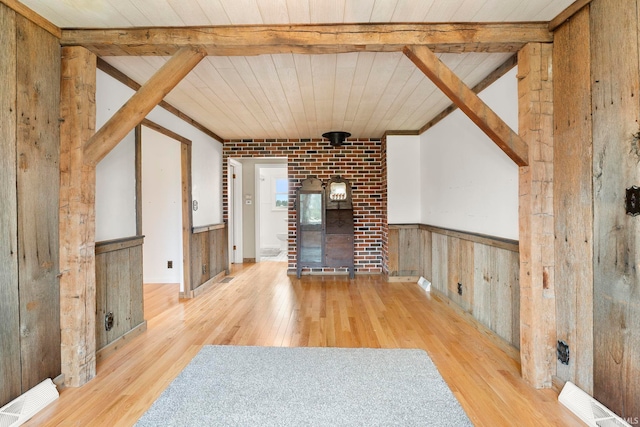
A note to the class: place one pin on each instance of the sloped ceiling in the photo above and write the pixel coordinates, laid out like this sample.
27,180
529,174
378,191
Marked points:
296,95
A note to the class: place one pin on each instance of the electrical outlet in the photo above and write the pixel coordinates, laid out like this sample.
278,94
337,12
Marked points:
204,269
169,264
459,288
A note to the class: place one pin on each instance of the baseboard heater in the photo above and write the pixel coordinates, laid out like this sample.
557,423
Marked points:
25,406
588,409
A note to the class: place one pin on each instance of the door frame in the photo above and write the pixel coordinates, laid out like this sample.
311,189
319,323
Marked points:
186,196
258,203
234,193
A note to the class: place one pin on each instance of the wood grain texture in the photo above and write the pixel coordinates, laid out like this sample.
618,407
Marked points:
187,216
426,261
138,169
35,18
485,83
573,196
616,153
118,288
9,303
439,263
141,103
38,182
393,250
263,306
470,103
410,248
536,230
567,14
77,216
309,39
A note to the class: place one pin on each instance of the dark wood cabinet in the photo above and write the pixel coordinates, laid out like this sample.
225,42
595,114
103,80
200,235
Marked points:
325,225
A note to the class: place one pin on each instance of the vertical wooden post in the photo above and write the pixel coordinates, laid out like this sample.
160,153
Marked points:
77,217
537,296
9,290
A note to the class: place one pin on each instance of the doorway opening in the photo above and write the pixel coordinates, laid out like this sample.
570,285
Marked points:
164,159
271,212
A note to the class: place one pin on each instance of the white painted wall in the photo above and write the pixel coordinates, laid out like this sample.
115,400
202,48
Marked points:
404,179
469,184
161,208
115,178
115,188
465,182
116,192
115,174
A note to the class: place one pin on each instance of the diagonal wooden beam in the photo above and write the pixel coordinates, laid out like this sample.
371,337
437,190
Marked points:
246,40
461,95
485,83
141,103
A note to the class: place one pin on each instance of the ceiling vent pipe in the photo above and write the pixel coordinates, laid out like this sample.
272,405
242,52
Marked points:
336,138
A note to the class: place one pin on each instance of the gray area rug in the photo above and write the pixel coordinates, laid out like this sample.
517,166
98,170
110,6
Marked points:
280,386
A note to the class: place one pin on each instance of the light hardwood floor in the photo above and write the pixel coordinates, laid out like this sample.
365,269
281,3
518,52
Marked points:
265,307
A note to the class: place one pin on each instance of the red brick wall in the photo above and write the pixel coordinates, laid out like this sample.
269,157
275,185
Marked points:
361,161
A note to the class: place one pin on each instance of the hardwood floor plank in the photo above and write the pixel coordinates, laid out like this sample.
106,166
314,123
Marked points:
263,306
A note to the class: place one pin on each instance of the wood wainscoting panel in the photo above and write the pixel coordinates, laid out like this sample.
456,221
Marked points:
208,254
439,262
477,273
118,288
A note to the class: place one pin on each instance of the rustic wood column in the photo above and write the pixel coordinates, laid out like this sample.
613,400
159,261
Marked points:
77,217
537,296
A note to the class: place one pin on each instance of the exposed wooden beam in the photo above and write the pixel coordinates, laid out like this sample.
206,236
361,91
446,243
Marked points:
77,217
461,95
124,79
33,17
486,82
536,221
567,13
309,39
141,103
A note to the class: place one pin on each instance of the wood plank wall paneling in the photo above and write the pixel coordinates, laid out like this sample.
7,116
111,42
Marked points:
9,301
573,195
118,288
410,248
487,270
496,296
426,261
38,183
616,155
208,248
439,262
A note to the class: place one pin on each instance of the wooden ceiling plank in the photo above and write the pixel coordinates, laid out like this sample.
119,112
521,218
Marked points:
141,103
486,82
483,116
310,39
